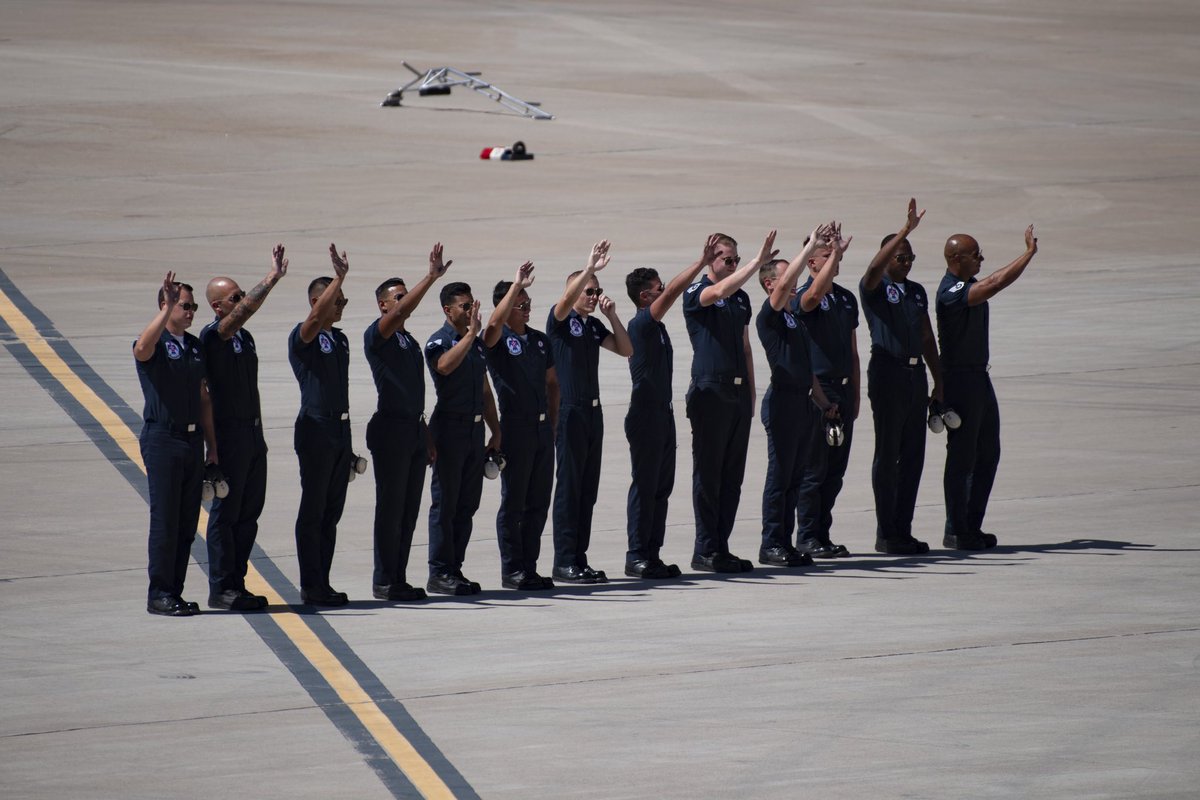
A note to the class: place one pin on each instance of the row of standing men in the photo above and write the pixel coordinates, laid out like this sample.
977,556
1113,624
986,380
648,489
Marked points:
203,419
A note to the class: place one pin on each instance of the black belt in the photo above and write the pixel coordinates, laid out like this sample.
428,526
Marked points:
191,429
400,416
511,418
343,416
731,380
908,362
971,368
833,380
252,422
451,416
582,402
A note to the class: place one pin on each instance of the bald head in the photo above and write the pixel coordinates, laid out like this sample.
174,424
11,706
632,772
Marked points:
963,256
219,288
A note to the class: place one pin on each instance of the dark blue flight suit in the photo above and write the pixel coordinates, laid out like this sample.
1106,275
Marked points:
518,366
789,416
322,441
972,451
720,407
172,447
650,430
899,391
398,440
576,344
237,416
831,330
457,427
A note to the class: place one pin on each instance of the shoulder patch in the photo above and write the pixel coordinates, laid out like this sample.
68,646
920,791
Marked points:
433,343
576,327
172,349
956,286
325,343
893,294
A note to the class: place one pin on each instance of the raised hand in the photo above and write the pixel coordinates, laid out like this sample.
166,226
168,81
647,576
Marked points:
914,219
598,259
341,264
606,305
1030,241
710,249
279,264
476,323
437,268
170,289
767,252
524,278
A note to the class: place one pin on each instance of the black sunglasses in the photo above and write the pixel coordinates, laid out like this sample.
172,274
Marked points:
189,306
593,292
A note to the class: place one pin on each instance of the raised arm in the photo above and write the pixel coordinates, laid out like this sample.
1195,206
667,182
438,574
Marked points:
618,341
781,294
143,349
322,310
495,326
671,292
232,322
984,290
874,273
394,320
597,260
728,285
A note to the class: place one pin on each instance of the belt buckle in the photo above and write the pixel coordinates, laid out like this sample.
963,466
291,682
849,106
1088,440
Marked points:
670,405
479,417
596,402
191,428
845,381
912,362
345,416
257,422
737,381
541,417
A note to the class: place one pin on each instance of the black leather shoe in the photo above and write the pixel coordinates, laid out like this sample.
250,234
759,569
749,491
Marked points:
839,550
651,569
969,541
907,546
234,600
574,574
448,584
397,592
542,580
721,562
195,607
513,580
323,597
597,575
475,587
784,557
170,607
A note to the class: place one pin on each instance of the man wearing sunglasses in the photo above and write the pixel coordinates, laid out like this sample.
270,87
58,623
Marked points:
237,414
902,344
576,337
973,450
320,357
521,364
456,362
720,399
397,436
178,425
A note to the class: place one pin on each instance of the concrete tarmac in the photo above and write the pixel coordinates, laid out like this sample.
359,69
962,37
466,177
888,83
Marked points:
141,137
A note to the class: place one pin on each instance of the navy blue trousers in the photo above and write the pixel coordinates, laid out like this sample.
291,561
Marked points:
824,472
454,491
174,471
323,449
579,447
525,486
720,415
972,451
399,455
233,521
651,436
900,406
789,416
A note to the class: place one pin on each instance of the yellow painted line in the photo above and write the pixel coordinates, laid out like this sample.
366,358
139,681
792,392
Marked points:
394,743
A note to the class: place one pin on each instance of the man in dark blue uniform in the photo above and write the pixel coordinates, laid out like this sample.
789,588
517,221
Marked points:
397,436
830,314
178,425
788,412
521,363
650,423
720,399
458,366
973,450
237,414
576,338
320,357
902,343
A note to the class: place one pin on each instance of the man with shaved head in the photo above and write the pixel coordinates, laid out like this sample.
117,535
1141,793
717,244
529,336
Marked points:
233,382
973,450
